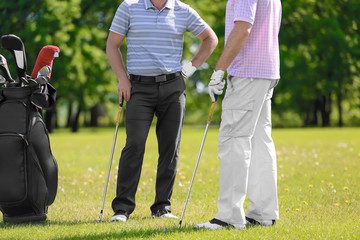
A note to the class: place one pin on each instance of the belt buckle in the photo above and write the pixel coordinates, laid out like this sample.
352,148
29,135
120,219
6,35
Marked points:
160,78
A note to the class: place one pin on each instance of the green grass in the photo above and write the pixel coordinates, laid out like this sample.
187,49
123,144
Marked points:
318,188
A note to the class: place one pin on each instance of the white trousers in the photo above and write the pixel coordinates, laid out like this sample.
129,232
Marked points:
247,152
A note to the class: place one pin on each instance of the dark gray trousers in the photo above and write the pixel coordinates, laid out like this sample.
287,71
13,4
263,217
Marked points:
167,101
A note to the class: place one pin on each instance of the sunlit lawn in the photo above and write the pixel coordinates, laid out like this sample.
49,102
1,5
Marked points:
318,188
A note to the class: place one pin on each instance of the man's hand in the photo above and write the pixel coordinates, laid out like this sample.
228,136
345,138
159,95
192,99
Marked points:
216,84
124,90
188,70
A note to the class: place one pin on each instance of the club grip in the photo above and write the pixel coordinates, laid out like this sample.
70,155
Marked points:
119,112
118,116
216,97
212,108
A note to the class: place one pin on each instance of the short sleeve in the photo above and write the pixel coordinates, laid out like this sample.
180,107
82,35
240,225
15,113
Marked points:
121,20
245,10
195,24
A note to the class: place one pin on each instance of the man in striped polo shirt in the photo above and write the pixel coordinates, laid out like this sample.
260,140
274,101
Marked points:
246,148
154,32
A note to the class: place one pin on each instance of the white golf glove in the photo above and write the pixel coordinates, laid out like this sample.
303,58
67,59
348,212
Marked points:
216,84
188,70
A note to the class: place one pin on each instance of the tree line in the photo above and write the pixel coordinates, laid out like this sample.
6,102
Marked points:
319,50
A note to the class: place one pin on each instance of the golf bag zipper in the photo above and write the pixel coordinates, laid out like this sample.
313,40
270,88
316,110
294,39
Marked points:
15,134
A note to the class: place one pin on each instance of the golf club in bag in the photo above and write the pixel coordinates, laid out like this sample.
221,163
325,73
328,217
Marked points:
16,47
212,108
5,70
28,169
111,158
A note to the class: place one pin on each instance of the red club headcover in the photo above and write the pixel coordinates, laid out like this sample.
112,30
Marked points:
45,57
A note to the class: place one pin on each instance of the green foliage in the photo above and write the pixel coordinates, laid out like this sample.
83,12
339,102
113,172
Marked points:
319,44
320,56
318,176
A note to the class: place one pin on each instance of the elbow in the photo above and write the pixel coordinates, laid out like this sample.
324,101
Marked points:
213,40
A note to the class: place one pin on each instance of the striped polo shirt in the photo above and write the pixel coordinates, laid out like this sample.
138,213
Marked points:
155,38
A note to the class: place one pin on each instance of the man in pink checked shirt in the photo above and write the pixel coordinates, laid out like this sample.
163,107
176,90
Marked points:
246,149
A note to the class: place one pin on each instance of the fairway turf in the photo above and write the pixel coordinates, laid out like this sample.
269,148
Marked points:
318,188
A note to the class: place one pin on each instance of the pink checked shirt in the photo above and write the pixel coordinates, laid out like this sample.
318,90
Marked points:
259,57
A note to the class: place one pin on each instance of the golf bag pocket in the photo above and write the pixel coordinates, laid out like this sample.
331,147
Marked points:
38,192
12,169
42,155
13,110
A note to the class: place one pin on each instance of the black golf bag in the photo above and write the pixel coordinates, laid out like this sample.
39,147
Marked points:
28,170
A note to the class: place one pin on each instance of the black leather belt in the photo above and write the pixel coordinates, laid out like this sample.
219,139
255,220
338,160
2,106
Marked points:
155,79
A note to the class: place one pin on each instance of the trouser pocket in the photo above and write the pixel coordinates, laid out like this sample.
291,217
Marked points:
236,121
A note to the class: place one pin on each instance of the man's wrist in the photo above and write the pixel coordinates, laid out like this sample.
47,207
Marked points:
188,69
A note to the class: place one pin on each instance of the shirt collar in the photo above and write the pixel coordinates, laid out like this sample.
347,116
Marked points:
169,4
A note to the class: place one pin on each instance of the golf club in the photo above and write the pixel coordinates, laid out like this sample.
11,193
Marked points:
42,80
212,108
16,47
2,80
5,69
45,58
44,72
111,158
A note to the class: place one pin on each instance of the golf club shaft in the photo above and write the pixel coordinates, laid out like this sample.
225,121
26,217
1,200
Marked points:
198,159
110,162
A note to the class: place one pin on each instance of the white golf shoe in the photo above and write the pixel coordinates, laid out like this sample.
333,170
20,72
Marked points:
216,224
164,213
120,216
264,223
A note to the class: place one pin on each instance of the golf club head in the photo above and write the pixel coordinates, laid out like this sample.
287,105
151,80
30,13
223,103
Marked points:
5,69
44,72
32,82
15,46
42,80
2,80
45,58
101,213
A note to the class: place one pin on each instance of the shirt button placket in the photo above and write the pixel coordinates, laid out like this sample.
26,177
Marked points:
158,17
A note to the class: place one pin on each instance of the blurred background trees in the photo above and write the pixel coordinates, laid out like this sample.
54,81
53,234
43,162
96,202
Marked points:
320,60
